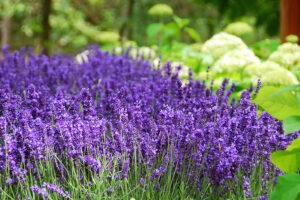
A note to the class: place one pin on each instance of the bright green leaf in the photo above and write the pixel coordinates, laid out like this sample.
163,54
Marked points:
294,145
291,124
279,106
153,30
287,188
193,34
287,89
181,22
289,159
170,30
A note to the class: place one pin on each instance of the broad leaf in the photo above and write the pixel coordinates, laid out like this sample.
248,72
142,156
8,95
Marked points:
170,30
291,124
287,188
287,89
193,34
289,159
279,106
153,30
181,22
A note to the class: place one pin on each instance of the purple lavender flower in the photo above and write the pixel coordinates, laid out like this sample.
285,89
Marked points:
40,191
115,108
110,190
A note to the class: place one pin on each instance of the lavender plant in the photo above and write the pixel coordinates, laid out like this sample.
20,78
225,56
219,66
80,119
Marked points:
113,127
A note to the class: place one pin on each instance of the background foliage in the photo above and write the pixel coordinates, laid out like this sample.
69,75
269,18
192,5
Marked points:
75,23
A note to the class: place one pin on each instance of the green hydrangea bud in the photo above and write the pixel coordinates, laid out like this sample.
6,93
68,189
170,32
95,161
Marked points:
160,10
238,28
107,37
292,38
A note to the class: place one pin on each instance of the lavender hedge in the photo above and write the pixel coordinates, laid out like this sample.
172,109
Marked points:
122,111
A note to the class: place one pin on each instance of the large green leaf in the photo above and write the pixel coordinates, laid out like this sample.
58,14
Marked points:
281,105
287,89
289,159
287,188
291,124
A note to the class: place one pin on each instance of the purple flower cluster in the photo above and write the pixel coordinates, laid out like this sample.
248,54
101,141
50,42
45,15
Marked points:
40,191
117,106
56,189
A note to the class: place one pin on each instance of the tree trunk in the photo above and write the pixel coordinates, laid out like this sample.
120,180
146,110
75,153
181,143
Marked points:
46,11
289,18
5,31
126,24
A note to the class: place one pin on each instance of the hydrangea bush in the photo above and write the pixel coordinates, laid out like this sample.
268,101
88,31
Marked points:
112,118
237,61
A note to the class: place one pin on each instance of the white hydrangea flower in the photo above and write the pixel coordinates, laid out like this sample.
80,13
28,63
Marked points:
289,47
279,77
184,71
287,55
270,73
82,57
259,69
235,60
147,52
156,63
221,43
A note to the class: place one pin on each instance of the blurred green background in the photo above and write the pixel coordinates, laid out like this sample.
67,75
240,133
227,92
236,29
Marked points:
70,25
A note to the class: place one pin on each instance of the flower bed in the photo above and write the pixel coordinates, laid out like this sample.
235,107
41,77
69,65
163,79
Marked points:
115,122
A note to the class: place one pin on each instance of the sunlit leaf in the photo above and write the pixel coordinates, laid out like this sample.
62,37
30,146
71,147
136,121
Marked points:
279,106
193,34
289,159
291,124
153,29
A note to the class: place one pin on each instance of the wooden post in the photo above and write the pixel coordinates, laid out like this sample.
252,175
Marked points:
289,18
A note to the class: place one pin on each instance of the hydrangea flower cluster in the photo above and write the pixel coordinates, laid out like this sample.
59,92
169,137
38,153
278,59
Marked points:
160,9
235,60
113,106
270,73
287,55
222,43
238,28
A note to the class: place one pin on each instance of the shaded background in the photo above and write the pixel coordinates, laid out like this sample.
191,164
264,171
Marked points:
70,25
